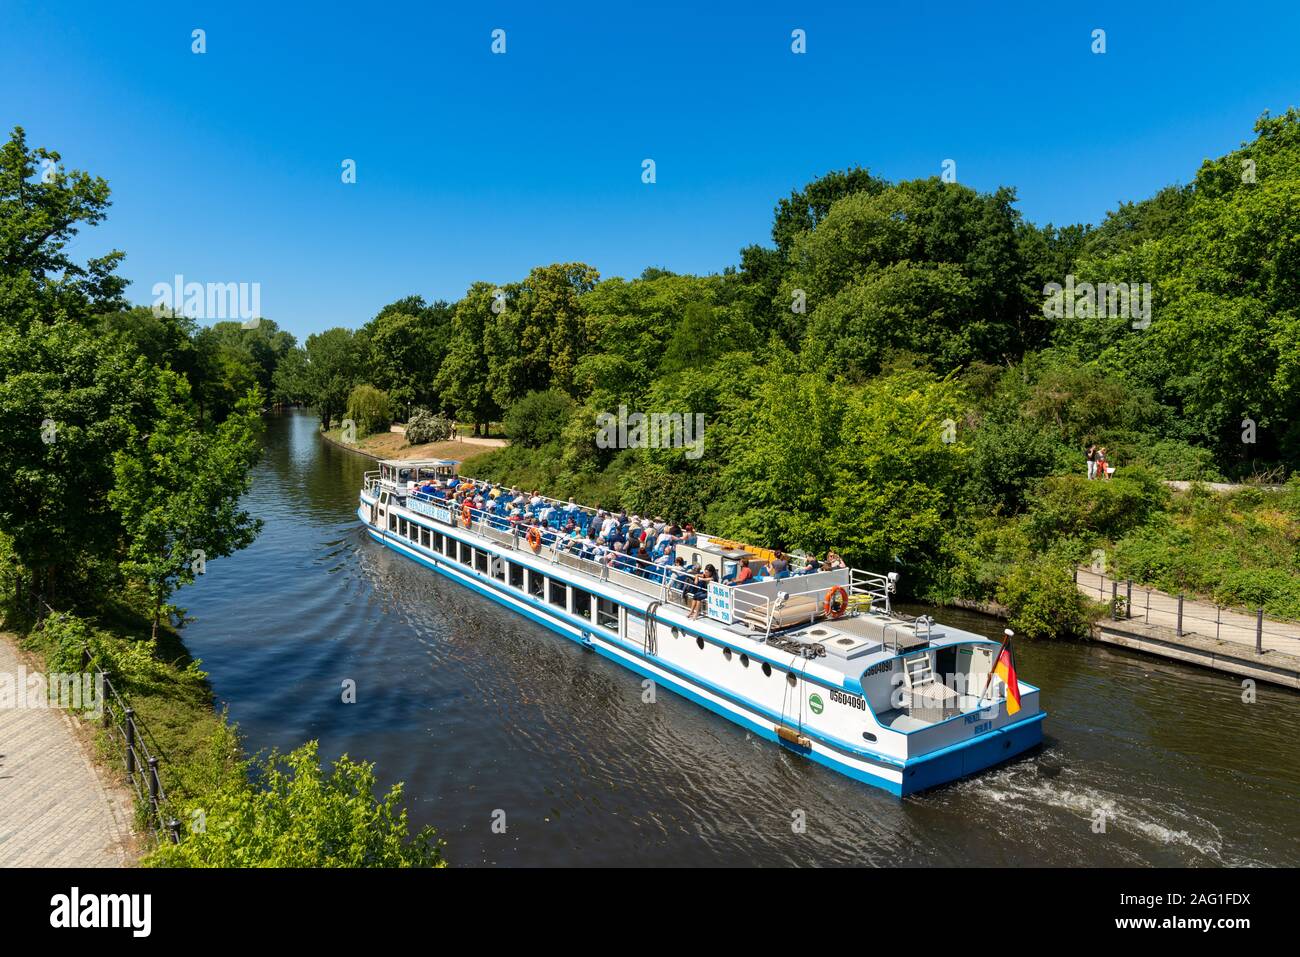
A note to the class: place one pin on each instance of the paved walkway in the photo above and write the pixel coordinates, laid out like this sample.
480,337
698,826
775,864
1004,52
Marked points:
1200,618
466,439
56,808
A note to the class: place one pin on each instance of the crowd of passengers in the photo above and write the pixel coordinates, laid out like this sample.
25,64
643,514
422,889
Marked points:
627,543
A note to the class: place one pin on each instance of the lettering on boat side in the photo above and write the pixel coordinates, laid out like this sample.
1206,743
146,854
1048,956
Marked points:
852,700
880,669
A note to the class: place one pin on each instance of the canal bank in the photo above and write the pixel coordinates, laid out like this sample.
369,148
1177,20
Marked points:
481,712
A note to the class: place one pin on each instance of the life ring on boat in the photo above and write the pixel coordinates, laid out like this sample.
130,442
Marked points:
466,514
836,608
535,538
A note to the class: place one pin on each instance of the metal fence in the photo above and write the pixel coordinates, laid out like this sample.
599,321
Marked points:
129,739
1128,601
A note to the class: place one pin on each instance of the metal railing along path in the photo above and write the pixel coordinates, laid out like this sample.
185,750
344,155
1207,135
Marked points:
131,740
1190,616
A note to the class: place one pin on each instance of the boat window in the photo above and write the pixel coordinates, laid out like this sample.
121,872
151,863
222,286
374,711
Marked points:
559,594
449,546
516,576
404,530
392,522
606,613
767,669
581,603
466,554
424,537
499,569
744,661
791,680
481,561
536,584
726,653
699,643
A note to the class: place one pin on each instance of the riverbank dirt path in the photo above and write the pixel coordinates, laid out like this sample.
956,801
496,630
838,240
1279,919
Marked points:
57,808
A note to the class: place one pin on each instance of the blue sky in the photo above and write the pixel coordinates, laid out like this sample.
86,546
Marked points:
225,167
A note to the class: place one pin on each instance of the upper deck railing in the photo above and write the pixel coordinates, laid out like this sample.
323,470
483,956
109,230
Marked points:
766,604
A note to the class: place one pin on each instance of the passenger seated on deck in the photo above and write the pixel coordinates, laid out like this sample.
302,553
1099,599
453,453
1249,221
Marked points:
777,567
744,574
810,566
689,532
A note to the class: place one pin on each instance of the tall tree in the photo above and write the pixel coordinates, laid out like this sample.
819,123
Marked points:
178,490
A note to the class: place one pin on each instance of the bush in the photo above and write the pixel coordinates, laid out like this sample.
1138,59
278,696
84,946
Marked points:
289,812
1178,461
1005,457
1070,506
1042,600
425,426
539,418
368,407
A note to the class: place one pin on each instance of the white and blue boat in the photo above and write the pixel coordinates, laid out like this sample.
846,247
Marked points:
819,663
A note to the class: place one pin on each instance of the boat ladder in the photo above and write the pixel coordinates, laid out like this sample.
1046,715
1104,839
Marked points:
918,672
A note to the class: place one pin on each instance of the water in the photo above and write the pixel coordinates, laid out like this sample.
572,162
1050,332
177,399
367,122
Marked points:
479,711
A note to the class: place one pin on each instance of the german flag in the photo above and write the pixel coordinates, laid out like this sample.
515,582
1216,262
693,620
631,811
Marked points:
1005,668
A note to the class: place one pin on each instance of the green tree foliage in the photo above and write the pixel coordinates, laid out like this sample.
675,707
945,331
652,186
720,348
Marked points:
334,366
538,418
462,379
1042,601
289,811
178,489
370,409
408,341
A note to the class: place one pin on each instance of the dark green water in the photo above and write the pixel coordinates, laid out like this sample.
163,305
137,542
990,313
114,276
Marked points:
479,710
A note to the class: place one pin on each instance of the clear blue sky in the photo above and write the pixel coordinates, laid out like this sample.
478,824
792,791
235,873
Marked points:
225,167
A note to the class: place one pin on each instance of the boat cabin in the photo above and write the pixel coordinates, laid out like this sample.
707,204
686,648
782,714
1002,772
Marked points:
405,474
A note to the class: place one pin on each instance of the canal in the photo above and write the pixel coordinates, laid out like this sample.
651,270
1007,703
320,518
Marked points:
479,711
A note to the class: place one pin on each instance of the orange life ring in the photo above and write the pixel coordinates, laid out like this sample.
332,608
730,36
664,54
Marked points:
466,514
535,538
832,609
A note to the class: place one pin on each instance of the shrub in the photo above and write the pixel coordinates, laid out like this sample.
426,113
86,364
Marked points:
425,426
368,407
1068,506
1179,461
1042,600
289,812
539,418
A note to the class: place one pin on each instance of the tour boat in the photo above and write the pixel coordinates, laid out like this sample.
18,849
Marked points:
819,663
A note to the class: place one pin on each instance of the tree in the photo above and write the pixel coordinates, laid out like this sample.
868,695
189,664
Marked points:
335,364
68,400
538,418
540,335
369,408
462,381
178,490
42,208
